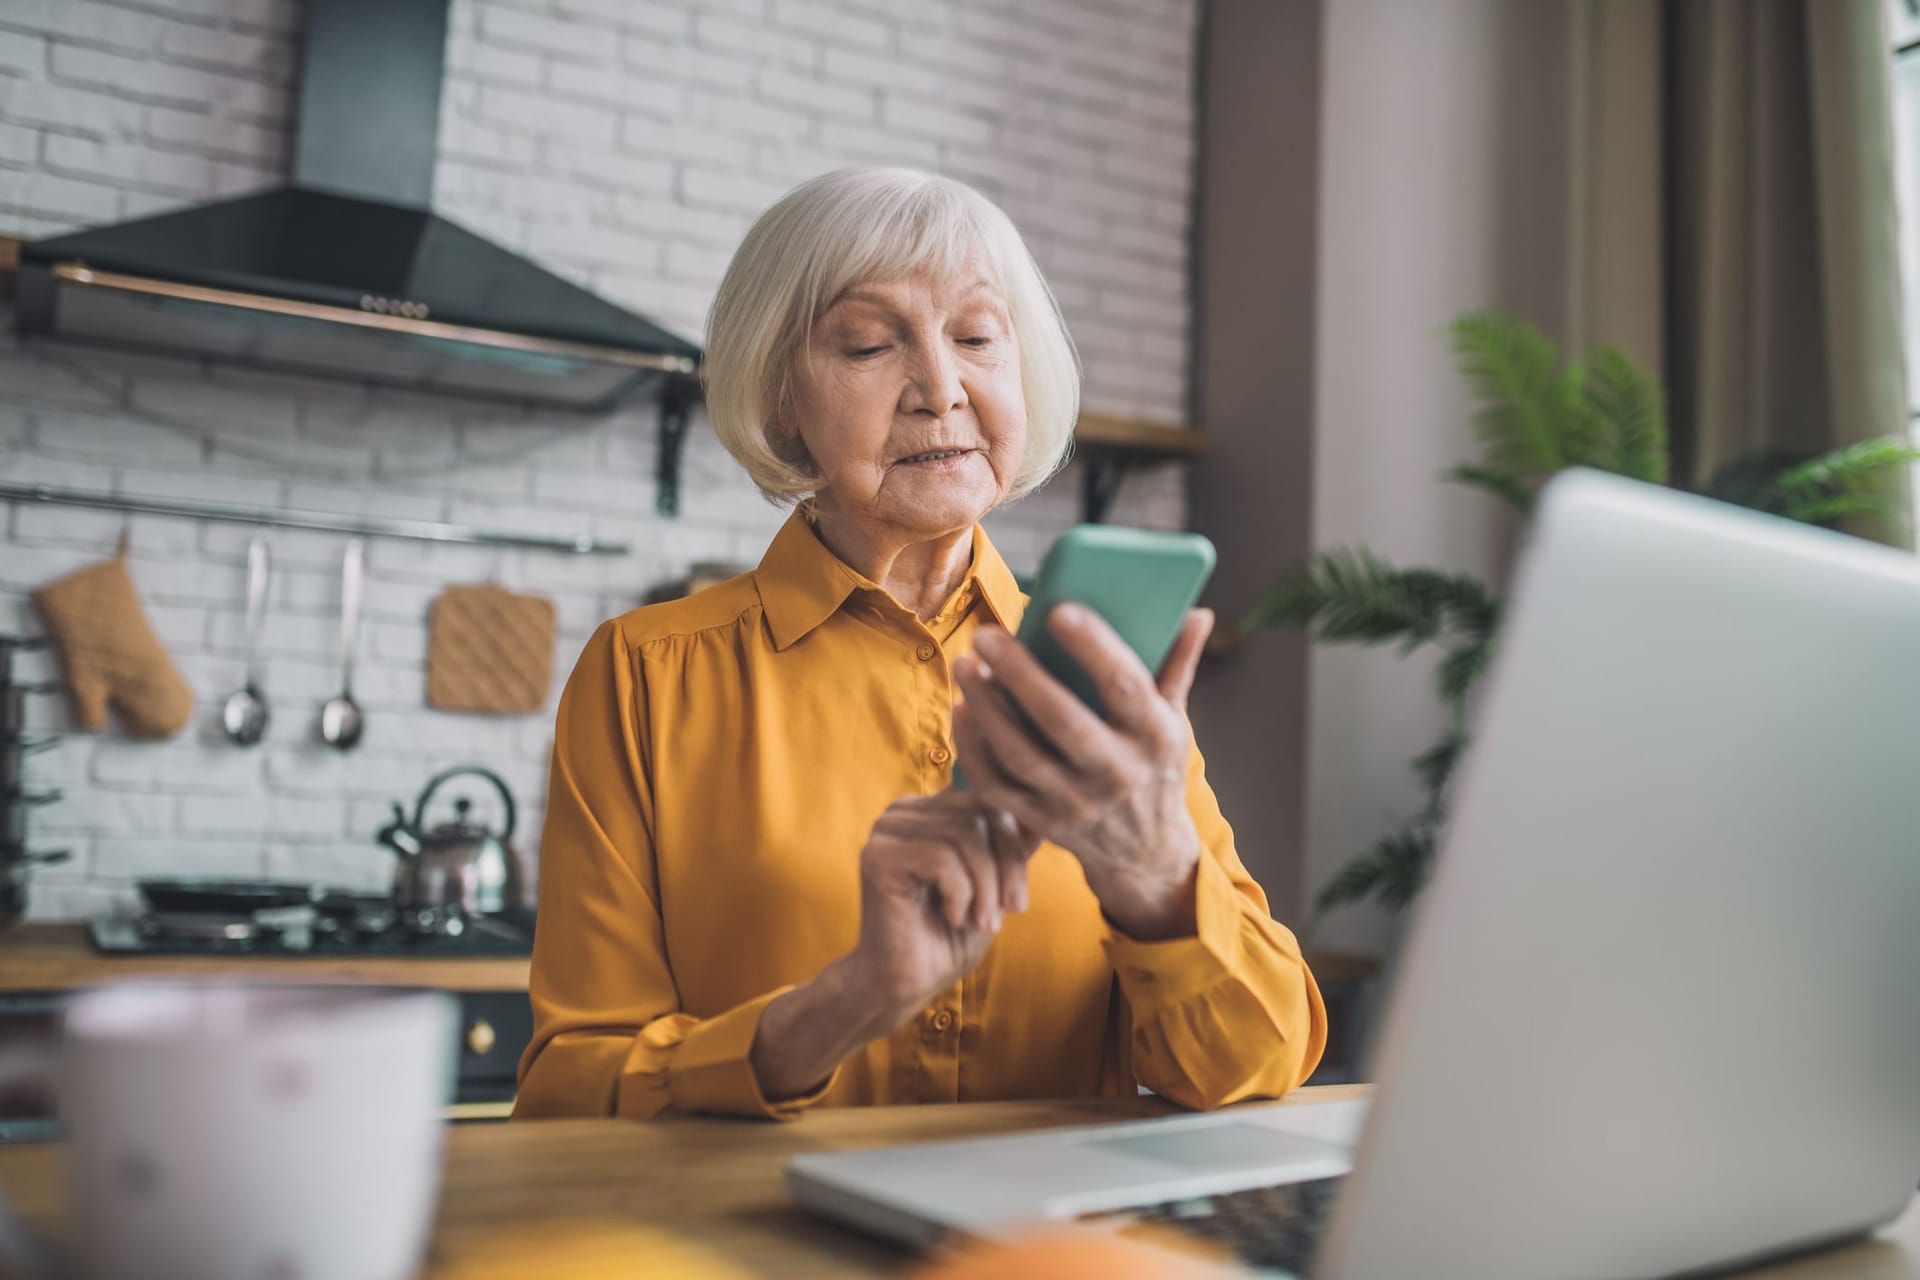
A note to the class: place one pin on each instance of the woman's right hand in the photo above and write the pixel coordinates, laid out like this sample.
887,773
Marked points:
937,876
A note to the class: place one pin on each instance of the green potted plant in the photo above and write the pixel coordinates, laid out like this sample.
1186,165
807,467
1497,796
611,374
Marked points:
1538,415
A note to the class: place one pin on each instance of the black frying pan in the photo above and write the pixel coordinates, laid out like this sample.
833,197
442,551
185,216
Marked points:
222,897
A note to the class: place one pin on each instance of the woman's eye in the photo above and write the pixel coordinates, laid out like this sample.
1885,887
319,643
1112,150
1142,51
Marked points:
865,352
976,342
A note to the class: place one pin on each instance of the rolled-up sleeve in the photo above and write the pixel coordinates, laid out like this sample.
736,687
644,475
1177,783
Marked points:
1231,1012
609,1034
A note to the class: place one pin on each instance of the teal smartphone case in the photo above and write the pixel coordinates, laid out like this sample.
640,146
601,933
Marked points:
1142,581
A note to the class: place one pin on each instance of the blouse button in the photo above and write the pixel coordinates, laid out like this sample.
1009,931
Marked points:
939,755
924,653
942,1021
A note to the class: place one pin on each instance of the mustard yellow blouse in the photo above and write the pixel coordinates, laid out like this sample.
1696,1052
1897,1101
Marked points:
718,763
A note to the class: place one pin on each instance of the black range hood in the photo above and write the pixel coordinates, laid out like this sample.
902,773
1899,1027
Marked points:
348,271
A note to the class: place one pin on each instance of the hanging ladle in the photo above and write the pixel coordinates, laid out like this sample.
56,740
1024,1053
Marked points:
245,714
340,719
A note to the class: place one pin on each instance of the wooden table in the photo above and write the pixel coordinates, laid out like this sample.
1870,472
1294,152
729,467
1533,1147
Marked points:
719,1182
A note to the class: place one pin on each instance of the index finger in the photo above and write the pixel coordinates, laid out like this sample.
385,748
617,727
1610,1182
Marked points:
1127,690
1011,848
1054,713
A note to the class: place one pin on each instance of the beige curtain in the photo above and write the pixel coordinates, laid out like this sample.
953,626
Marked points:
1732,169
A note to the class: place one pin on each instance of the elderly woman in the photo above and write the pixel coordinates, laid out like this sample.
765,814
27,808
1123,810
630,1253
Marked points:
758,890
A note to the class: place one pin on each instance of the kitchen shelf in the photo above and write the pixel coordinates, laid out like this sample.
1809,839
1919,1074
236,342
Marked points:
1110,447
677,399
1095,430
319,521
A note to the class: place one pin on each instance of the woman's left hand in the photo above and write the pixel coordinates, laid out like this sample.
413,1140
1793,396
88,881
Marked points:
1112,792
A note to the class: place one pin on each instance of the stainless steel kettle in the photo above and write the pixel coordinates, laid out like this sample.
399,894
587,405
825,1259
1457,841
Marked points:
459,867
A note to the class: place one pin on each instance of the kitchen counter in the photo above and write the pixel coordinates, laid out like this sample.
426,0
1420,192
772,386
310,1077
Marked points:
59,957
40,963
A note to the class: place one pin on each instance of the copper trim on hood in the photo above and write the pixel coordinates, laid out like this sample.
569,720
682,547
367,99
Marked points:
80,274
9,264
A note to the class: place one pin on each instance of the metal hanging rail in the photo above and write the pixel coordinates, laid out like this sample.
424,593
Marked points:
319,521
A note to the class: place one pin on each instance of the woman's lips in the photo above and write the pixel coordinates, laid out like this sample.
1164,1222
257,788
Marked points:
943,460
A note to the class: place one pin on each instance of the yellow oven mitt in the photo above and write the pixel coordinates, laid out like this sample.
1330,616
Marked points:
111,653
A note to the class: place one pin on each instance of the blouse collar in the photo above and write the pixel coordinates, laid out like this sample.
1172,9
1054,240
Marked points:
802,583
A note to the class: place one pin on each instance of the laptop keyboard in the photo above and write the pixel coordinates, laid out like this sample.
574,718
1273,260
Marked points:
1271,1229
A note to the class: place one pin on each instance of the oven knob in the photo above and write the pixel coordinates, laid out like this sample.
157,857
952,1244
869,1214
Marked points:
480,1038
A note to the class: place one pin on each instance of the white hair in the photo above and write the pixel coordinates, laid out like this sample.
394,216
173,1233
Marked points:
840,230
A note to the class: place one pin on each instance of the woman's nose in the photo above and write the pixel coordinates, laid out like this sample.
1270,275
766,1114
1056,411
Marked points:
934,385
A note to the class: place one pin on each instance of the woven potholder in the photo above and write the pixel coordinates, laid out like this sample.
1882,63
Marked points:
489,650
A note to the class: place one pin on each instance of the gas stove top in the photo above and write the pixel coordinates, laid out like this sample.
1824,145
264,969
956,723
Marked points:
377,930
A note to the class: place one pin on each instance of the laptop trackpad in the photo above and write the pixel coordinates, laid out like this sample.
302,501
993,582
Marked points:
1217,1146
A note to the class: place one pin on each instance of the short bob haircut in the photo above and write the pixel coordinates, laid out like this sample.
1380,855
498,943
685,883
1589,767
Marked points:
839,230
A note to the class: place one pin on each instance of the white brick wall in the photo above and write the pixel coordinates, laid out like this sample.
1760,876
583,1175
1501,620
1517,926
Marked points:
624,143
630,143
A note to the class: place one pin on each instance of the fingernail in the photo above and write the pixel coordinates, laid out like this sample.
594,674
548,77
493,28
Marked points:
1071,615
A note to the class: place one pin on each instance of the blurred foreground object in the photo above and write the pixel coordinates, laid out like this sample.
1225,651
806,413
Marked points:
1079,1255
226,1130
584,1249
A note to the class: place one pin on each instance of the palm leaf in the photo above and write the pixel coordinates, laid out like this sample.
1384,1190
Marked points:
1436,764
1628,407
1843,506
1462,668
1749,482
1391,872
1352,595
1513,370
1587,436
1405,861
1342,593
1369,601
1824,489
1844,482
1354,882
1450,602
1853,466
1504,487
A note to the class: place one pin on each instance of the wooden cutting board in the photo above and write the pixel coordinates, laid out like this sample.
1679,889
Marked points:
489,650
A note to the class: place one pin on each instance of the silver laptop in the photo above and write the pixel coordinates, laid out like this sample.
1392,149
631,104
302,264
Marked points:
1660,1008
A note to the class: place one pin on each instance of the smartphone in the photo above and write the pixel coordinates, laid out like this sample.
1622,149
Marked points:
1142,581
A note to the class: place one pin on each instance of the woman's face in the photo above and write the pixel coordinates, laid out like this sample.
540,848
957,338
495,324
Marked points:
909,401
